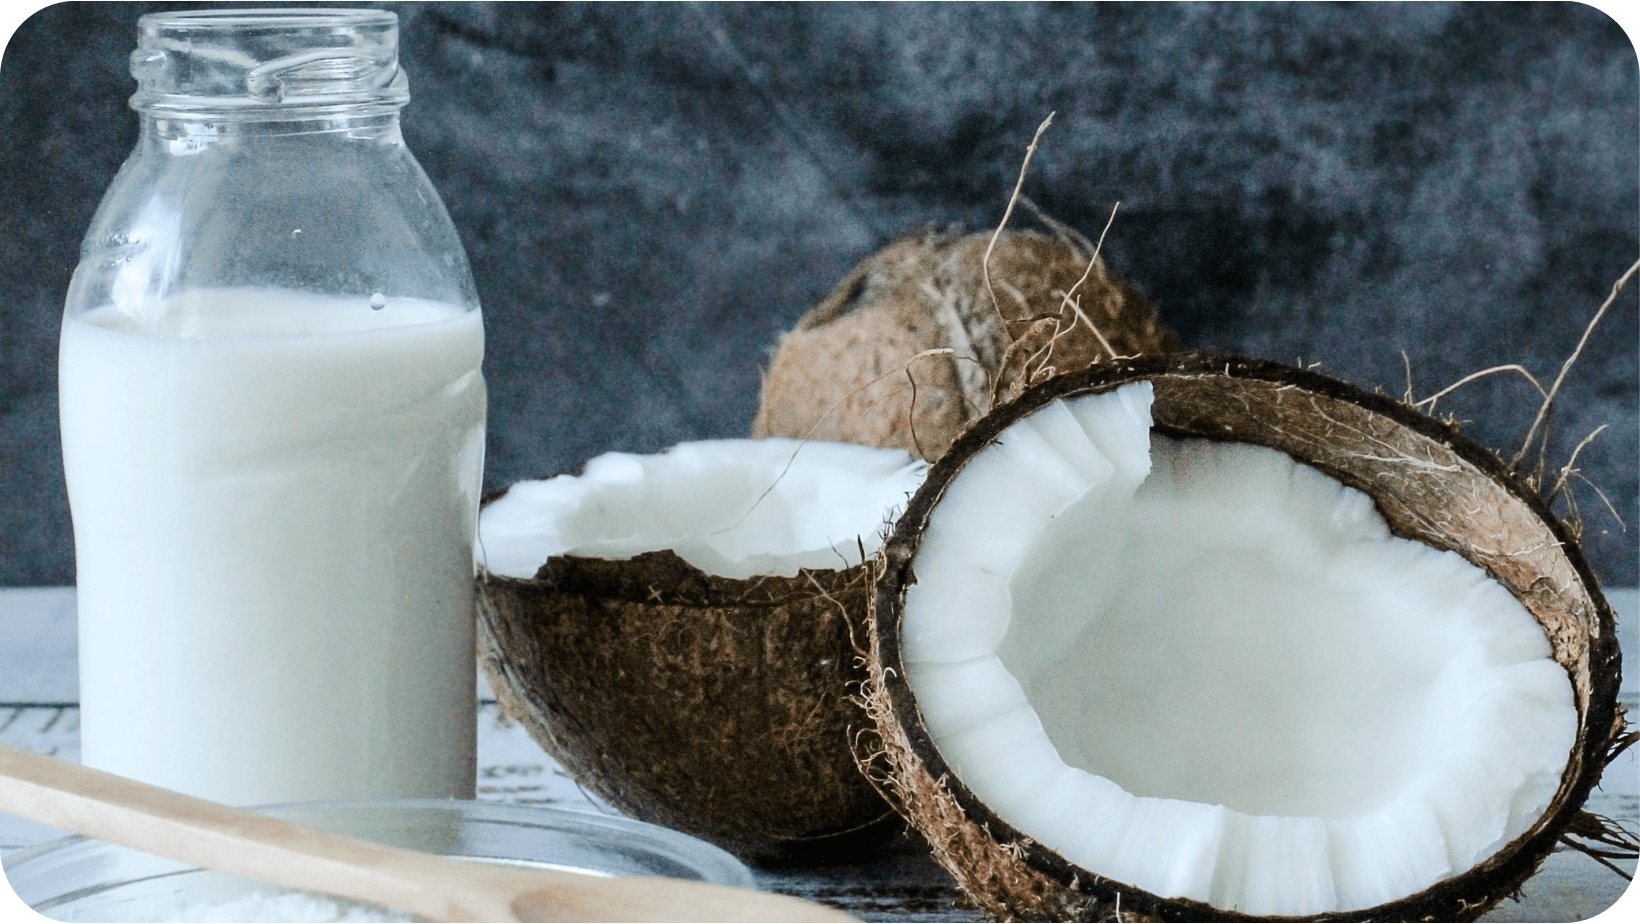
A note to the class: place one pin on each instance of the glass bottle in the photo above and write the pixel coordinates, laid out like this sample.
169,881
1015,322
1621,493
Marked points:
273,426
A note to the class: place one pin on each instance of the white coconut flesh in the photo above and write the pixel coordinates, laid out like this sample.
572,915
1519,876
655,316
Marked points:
732,508
1210,672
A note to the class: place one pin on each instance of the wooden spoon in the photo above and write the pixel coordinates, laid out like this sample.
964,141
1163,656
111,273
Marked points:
213,836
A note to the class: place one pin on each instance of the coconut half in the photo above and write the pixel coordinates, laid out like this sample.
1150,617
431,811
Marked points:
1210,638
680,631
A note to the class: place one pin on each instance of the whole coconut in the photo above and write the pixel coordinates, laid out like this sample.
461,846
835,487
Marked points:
1039,305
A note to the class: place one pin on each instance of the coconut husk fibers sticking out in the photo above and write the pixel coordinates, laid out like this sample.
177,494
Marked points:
1431,484
832,377
711,705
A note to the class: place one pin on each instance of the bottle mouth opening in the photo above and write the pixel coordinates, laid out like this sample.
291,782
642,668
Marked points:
320,17
267,63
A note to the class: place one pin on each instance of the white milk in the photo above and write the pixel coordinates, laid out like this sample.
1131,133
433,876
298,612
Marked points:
274,498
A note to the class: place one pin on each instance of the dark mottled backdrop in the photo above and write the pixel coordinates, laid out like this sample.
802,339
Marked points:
651,194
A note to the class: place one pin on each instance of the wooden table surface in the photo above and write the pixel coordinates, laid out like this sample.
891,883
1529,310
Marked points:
39,710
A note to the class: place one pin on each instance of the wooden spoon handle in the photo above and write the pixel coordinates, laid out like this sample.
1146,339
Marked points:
214,836
207,834
644,898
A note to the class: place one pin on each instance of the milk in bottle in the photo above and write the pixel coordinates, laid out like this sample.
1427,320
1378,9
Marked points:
273,427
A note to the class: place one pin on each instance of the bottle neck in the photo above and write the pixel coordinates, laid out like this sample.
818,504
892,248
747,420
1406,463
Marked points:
170,134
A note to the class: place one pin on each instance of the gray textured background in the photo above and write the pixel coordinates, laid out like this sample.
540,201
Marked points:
650,194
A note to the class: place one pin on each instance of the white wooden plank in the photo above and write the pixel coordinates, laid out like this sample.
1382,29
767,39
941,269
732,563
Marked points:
37,646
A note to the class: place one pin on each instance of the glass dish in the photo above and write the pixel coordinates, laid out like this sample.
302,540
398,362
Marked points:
77,879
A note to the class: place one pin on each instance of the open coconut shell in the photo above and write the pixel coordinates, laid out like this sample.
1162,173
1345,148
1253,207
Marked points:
682,631
1056,308
1430,483
722,706
715,706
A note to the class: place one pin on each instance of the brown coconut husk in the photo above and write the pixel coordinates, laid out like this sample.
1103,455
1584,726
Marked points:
1003,311
714,706
1431,483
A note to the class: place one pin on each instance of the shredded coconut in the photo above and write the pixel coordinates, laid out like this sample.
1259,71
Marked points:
285,906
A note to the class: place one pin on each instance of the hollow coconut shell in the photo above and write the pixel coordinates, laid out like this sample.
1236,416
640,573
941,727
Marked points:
717,706
720,707
1430,483
838,374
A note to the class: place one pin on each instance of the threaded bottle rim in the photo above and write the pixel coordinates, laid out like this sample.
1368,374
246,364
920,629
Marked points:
261,64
